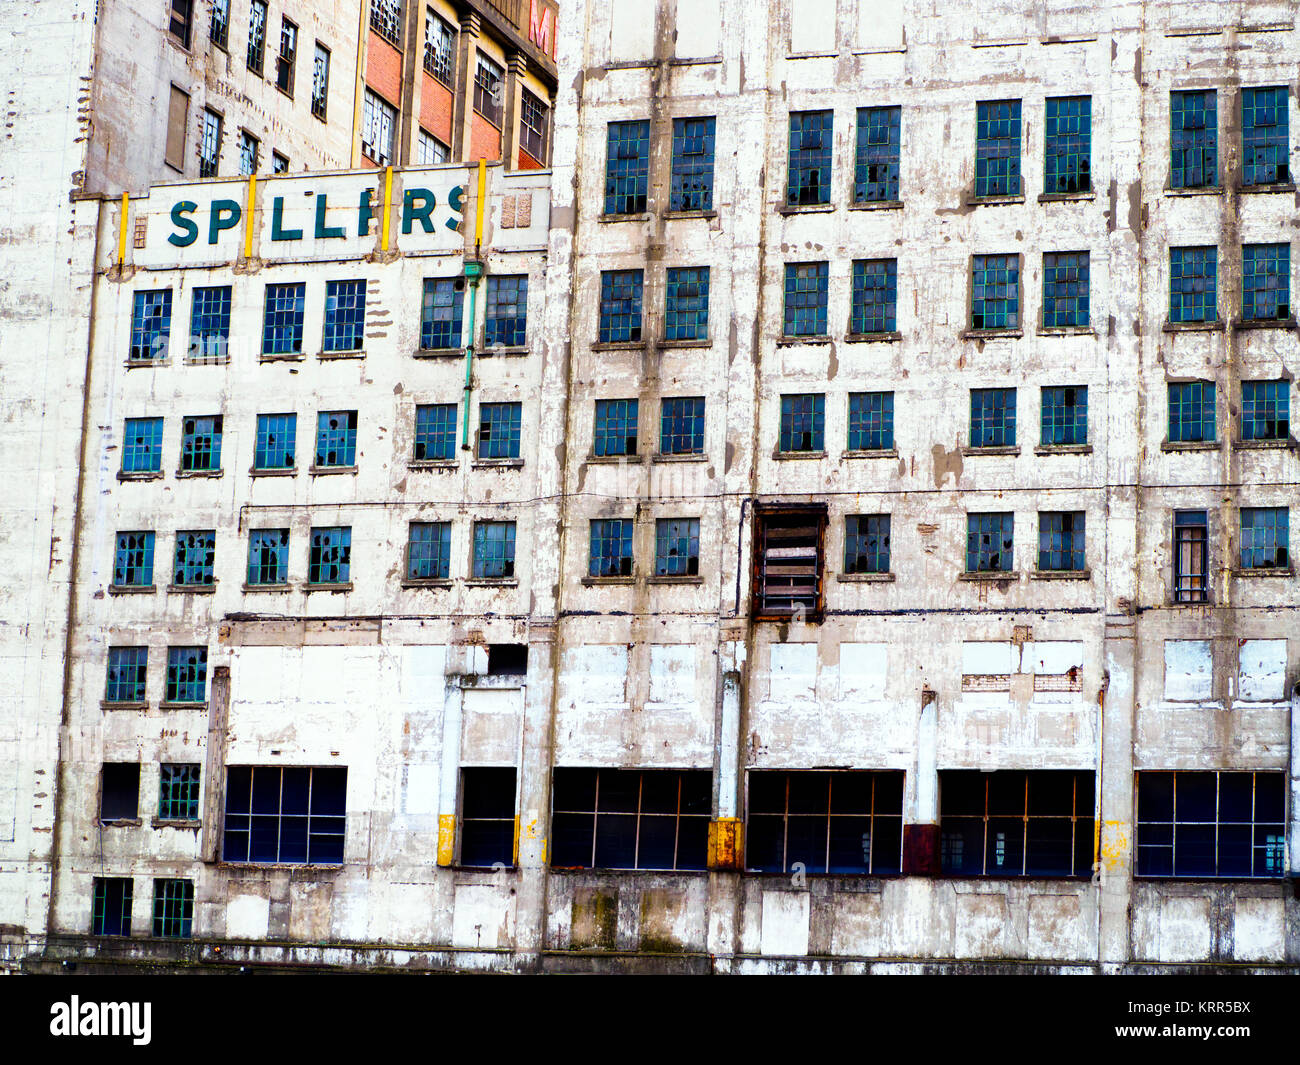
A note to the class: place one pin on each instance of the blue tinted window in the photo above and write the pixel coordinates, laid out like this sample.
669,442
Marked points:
187,674
686,304
142,445
268,556
1065,416
875,178
1266,282
276,441
992,417
336,438
1065,289
1194,139
692,176
1191,412
1061,541
681,426
330,560
1264,538
805,299
201,443
1265,146
282,323
494,549
1193,276
133,560
195,554
151,325
989,546
1067,146
809,175
874,306
627,167
677,547
995,292
866,543
615,427
127,667
178,792
611,548
620,306
440,313
997,148
803,423
1265,410
506,320
210,323
345,315
499,430
435,432
871,421
428,554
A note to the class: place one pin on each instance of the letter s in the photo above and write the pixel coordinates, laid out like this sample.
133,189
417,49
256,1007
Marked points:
188,227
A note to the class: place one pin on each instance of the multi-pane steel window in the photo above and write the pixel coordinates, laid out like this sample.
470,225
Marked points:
990,544
875,176
320,82
1191,412
345,315
133,560
1265,410
285,815
288,57
1065,416
866,543
995,292
1265,145
803,423
871,421
505,322
611,548
178,792
631,819
219,27
620,306
1061,541
692,165
846,822
1010,823
997,148
256,36
805,299
428,552
1065,289
489,89
435,432
248,152
874,306
681,426
279,163
808,178
429,151
127,668
1067,147
336,438
992,417
627,167
677,547
142,445
1193,275
210,323
210,144
615,427
441,313
378,129
182,17
201,444
151,325
1208,824
1191,556
499,430
686,303
187,674
276,443
111,912
330,560
196,551
534,118
1264,538
487,816
1194,139
439,48
1266,282
386,20
282,320
494,550
268,557
173,908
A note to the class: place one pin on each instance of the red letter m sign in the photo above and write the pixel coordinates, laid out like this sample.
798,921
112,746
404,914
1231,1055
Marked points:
541,28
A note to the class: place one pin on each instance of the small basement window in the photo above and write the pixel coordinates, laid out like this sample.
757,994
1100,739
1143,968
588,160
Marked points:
789,562
120,795
507,659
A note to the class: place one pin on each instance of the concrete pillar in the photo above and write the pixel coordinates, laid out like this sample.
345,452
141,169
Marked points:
214,772
921,801
466,64
1293,850
412,64
449,771
535,796
516,68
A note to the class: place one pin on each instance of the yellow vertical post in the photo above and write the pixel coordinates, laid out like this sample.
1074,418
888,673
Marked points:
248,216
121,228
388,206
478,204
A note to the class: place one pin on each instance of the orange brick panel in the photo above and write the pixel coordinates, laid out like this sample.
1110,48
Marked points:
436,105
484,140
384,69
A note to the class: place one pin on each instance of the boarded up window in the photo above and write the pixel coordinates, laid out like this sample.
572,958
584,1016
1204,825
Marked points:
672,674
794,671
788,562
986,666
863,668
1057,666
1189,671
1262,675
879,26
812,26
178,115
632,30
697,36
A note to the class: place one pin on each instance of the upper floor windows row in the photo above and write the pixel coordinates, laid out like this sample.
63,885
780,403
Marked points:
627,166
1194,138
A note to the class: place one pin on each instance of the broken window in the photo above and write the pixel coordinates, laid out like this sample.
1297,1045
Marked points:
620,306
866,543
151,324
803,424
219,28
871,421
681,426
874,306
111,912
611,548
1210,824
1064,416
997,148
428,551
808,179
1265,146
279,163
1191,561
1011,823
989,543
993,417
386,20
1265,410
210,323
435,432
1194,139
268,557
843,822
686,303
1061,541
627,167
286,816
196,552
201,444
1191,412
489,90
805,299
331,555
692,165
507,659
282,322
288,58
441,313
142,445
534,117
256,36
1193,274
187,674
378,130
439,48
995,292
345,315
494,550
1264,538
631,819
320,82
429,151
487,816
500,430
1266,282
875,178
127,668
615,427
210,144
1065,290
276,441
505,322
133,560
119,798
1067,147
182,17
677,547
178,792
248,153
788,562
173,908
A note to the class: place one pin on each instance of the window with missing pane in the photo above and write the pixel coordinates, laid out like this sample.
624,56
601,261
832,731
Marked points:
201,444
1265,410
127,668
268,557
133,560
142,445
681,426
428,551
1191,556
210,323
275,446
1065,290
178,792
871,421
435,432
1265,534
378,130
866,543
489,89
1194,139
620,306
1191,412
287,60
1064,416
429,151
686,303
441,313
1061,542
181,21
283,318
803,424
616,427
611,548
487,816
506,318
173,908
534,122
993,417
219,27
1193,279
111,908
257,36
494,550
1265,143
995,292
248,153
875,178
808,179
345,315
210,144
997,148
805,299
1266,282
874,299
187,674
320,82
1067,149
990,546
692,165
285,815
196,552
677,547
386,20
151,324
627,167
439,48
330,560
336,439
500,430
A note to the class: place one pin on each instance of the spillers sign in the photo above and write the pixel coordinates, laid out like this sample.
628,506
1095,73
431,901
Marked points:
300,218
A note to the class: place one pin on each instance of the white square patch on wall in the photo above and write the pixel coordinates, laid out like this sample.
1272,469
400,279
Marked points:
1189,670
1261,671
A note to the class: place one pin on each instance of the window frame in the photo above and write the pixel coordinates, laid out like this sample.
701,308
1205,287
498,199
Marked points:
1191,293
998,154
1073,146
810,165
1266,536
265,447
484,566
194,559
875,153
256,55
1189,585
992,418
1072,424
329,554
267,547
768,519
330,834
1205,146
1256,405
173,908
1067,299
669,559
1265,157
611,548
186,679
873,300
627,168
320,82
982,553
693,162
621,309
861,531
1004,304
1056,542
489,90
670,419
433,564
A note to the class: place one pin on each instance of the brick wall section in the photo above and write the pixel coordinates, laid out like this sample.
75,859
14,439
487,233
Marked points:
436,106
384,69
484,140
527,162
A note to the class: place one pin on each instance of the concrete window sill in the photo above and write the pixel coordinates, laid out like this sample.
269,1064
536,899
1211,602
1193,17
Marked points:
1280,186
1184,604
674,578
1262,445
330,471
190,823
1000,450
1066,197
795,456
643,216
439,353
503,350
492,582
287,471
426,582
135,364
345,586
192,589
613,460
182,706
1060,575
691,456
199,473
1241,325
785,340
132,589
140,475
805,208
876,205
121,822
691,214
1215,326
882,453
330,356
1203,190
1066,331
865,578
1265,571
990,575
690,342
1189,445
104,704
287,356
1063,449
498,464
992,334
434,464
281,588
618,345
994,201
589,581
873,338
